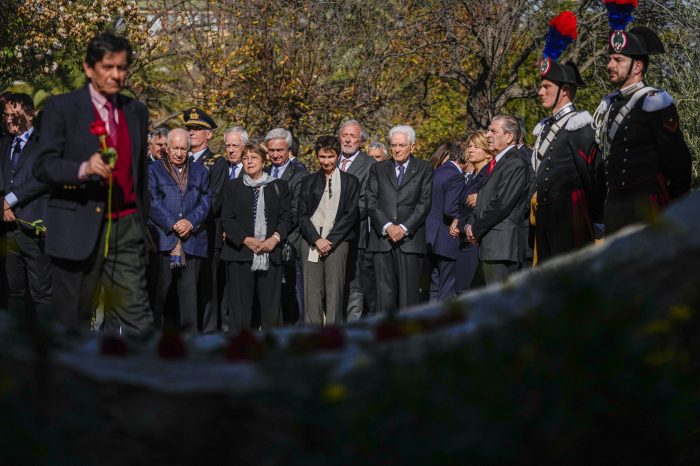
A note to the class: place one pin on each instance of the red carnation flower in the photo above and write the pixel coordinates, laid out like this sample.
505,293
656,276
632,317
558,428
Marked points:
245,347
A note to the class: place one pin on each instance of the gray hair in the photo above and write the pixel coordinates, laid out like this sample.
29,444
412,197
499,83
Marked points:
174,132
404,129
280,133
363,135
510,125
378,145
238,130
158,132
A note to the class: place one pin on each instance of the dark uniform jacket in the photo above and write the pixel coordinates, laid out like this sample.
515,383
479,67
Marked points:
568,184
648,162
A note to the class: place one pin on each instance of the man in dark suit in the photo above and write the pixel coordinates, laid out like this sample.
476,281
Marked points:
398,202
180,201
360,273
279,142
25,201
201,129
498,221
234,141
443,247
90,248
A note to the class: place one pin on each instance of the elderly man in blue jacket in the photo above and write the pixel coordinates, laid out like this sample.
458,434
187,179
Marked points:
180,202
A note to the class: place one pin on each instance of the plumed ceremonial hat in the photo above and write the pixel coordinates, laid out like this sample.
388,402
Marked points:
562,31
639,41
196,117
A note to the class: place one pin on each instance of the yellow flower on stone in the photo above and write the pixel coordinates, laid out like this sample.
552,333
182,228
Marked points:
334,392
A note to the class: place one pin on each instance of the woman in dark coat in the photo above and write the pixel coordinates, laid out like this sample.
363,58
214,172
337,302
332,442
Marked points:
328,213
256,217
480,156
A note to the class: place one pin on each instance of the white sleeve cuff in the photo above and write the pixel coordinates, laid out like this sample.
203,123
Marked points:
11,199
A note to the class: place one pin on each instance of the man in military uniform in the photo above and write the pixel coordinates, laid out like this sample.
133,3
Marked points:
564,158
201,129
647,162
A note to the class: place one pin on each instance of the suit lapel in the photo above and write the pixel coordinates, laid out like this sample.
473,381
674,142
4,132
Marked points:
86,115
391,174
25,152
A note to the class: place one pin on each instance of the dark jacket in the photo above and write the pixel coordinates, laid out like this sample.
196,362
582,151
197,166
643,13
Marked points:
407,204
499,218
169,205
237,218
346,218
65,143
448,192
360,169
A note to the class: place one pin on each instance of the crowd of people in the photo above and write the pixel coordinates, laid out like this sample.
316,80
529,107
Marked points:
166,233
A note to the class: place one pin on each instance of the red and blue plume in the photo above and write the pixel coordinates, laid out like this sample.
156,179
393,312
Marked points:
562,32
620,13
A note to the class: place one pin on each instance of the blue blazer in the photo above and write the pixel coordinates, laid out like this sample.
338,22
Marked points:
448,191
169,205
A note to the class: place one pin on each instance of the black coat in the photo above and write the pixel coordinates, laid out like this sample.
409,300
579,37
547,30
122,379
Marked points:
346,218
237,218
77,207
360,169
498,220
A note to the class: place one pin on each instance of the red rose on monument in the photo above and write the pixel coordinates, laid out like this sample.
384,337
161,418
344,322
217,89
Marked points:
171,346
245,347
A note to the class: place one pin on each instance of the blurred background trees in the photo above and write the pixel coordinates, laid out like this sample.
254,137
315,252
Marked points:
444,66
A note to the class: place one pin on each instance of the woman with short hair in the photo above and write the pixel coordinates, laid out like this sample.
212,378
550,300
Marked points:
328,213
256,217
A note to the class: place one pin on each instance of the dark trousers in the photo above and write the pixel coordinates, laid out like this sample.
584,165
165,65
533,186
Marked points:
209,300
292,280
27,267
561,227
442,277
122,275
497,271
185,281
243,286
398,279
362,294
466,266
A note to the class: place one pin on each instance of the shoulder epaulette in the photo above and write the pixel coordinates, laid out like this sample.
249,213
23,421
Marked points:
657,100
538,127
578,121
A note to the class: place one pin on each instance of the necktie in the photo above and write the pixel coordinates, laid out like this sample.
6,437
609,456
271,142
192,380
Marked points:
492,164
232,176
14,156
111,121
190,158
399,179
344,164
276,172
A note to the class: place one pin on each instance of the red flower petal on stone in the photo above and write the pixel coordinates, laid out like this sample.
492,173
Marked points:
245,347
171,346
